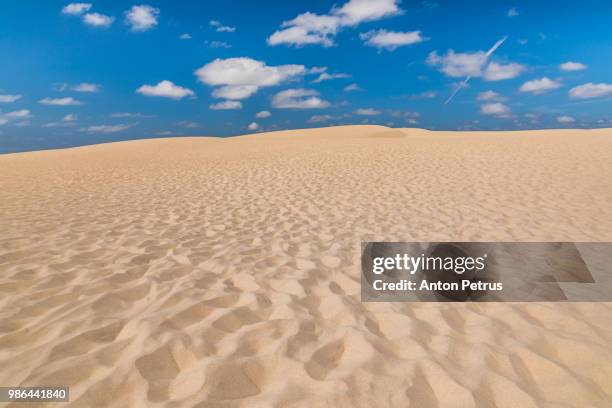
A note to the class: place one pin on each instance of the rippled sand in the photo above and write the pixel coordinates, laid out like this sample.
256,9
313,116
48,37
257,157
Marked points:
224,272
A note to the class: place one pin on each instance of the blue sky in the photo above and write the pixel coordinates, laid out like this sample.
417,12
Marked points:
82,73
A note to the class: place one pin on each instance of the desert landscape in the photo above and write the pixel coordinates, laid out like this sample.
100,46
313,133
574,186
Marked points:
224,272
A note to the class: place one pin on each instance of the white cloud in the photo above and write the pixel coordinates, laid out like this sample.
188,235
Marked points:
239,78
106,128
185,36
327,77
538,86
496,109
226,29
565,119
86,87
513,12
253,126
263,114
9,98
489,96
572,66
142,17
82,87
307,28
58,124
367,112
221,28
18,114
67,101
359,11
499,72
76,9
131,115
98,20
352,88
67,121
473,64
226,105
459,65
188,124
218,44
390,40
320,118
311,28
298,99
591,90
234,91
165,89
246,71
317,70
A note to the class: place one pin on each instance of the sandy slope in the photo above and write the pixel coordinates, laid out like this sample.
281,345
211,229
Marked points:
223,272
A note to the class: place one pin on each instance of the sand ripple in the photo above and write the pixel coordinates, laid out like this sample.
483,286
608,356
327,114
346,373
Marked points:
223,273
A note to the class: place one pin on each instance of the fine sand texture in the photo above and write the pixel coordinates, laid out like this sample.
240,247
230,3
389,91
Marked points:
209,272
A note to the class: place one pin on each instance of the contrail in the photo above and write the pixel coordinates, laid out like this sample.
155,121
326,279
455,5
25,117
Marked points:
461,85
496,46
467,79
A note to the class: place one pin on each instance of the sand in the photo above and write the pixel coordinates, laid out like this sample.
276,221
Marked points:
204,272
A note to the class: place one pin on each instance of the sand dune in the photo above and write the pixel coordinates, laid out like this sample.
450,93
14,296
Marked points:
206,272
